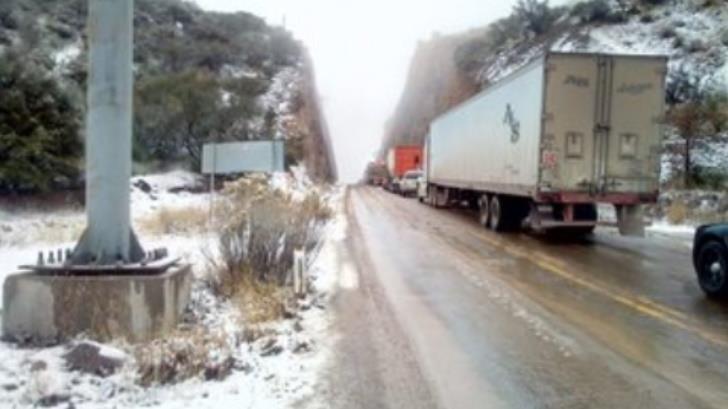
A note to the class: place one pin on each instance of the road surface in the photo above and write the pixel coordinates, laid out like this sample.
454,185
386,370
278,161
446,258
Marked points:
444,313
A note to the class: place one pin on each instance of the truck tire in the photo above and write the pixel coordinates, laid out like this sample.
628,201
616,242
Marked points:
497,214
712,269
484,210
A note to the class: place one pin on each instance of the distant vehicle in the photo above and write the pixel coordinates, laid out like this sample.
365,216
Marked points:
408,183
710,258
400,160
376,174
543,146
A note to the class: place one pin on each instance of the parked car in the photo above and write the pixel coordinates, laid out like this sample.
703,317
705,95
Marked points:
408,183
400,160
710,257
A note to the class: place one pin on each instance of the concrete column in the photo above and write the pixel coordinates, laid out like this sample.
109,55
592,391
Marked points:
109,238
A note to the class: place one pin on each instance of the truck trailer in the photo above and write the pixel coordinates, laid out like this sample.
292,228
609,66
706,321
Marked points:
400,160
549,142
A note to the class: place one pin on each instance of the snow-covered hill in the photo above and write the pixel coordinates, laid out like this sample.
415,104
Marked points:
256,79
446,70
694,37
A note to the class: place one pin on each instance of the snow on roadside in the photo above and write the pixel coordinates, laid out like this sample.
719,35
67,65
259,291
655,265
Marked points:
666,228
260,377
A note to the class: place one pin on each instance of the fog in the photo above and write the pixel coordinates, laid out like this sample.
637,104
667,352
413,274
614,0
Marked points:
361,52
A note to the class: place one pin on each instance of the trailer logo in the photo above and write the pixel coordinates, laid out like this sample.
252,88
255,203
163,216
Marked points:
513,123
634,89
580,82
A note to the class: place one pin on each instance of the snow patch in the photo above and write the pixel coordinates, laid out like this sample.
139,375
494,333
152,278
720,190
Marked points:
33,376
67,54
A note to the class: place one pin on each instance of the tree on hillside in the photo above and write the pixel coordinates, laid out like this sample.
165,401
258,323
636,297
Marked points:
40,143
535,14
176,114
700,112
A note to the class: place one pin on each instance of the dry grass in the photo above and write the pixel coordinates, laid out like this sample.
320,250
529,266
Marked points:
259,302
677,212
183,356
175,220
701,216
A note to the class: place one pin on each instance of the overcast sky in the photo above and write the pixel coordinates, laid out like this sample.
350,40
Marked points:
361,51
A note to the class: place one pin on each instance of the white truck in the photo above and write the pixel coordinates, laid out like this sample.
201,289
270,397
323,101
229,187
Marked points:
548,143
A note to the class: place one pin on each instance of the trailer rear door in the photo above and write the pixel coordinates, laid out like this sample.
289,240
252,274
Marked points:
635,105
567,146
601,124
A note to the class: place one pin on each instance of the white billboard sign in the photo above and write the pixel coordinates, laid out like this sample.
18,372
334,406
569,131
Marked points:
241,157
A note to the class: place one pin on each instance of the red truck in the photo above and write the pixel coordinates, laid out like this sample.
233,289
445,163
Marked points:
400,160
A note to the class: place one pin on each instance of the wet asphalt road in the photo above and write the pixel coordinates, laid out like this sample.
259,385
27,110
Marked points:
447,314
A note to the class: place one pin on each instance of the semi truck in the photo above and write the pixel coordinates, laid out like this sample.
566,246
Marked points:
548,143
400,160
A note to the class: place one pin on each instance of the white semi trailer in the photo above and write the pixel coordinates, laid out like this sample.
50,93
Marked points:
548,143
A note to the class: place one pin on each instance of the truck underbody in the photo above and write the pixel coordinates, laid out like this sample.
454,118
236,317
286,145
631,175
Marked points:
570,212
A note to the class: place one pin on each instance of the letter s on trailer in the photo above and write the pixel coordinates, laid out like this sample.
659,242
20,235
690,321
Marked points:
547,143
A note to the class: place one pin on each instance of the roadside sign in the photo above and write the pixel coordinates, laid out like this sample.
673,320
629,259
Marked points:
240,157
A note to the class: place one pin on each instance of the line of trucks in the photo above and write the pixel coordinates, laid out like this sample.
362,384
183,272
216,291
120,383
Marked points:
547,144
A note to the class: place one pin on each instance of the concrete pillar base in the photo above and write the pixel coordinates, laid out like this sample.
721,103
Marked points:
47,309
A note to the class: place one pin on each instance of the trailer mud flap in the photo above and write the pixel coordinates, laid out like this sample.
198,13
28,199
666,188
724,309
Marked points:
631,221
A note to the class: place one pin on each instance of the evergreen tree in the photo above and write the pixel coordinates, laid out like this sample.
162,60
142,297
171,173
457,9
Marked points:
40,145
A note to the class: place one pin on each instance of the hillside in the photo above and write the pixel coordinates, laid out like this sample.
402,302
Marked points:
200,76
446,70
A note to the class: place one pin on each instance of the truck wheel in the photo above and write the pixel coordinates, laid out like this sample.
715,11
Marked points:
712,269
497,217
484,210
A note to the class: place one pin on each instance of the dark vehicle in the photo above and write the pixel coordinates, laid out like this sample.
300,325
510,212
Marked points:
710,257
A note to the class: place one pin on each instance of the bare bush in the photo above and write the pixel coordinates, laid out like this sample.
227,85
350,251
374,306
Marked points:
263,230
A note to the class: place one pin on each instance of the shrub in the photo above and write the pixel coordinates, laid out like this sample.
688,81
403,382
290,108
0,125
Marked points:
653,2
264,229
9,17
183,356
597,11
709,178
724,36
684,84
536,14
678,42
647,18
697,45
667,31
677,212
505,30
